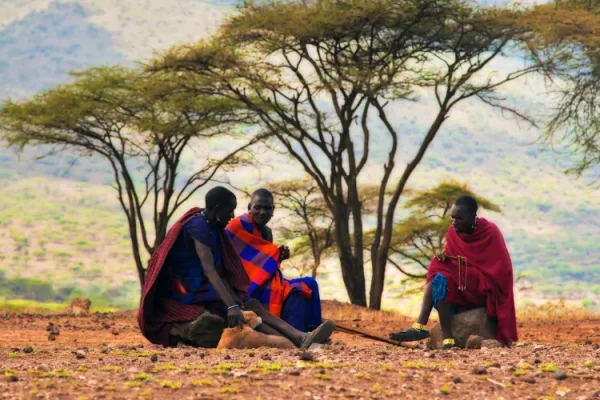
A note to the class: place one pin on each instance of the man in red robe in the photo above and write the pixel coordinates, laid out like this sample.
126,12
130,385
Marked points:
475,270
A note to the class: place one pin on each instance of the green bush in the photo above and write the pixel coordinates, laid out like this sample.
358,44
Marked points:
27,288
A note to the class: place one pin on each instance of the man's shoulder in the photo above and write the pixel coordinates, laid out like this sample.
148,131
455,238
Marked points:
195,220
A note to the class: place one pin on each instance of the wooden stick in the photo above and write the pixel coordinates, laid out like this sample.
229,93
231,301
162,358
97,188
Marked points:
356,332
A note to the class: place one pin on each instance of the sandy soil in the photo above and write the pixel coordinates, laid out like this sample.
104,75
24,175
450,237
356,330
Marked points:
105,357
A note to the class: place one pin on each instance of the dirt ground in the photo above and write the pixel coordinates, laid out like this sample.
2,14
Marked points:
106,357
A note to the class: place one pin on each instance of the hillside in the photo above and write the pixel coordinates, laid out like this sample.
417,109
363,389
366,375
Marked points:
60,222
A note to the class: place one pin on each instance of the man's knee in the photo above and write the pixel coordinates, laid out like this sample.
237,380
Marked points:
311,283
253,305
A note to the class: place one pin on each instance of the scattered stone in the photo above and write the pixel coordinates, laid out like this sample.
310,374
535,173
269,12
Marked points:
529,379
457,380
28,350
227,357
15,349
265,357
115,332
13,378
560,375
496,365
292,371
479,371
51,337
202,355
80,354
186,354
587,342
106,350
306,356
43,368
251,354
317,347
537,361
154,358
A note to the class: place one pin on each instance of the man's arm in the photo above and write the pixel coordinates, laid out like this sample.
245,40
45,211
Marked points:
269,237
208,266
284,251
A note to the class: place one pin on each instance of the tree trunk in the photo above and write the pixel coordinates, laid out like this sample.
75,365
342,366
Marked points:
352,268
315,266
378,280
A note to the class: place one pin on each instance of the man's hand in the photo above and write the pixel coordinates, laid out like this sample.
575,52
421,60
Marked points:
442,257
235,318
284,253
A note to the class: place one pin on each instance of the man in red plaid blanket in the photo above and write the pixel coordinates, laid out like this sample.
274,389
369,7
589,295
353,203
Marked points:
296,301
196,284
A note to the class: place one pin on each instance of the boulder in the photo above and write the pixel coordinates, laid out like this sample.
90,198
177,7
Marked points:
474,323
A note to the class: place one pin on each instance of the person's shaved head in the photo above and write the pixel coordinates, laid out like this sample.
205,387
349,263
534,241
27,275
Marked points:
469,203
261,206
262,193
463,214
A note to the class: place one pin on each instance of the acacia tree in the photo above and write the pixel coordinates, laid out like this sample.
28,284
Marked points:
568,32
308,223
141,125
320,75
422,235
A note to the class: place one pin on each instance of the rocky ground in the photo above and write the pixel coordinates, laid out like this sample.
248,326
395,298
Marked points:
104,356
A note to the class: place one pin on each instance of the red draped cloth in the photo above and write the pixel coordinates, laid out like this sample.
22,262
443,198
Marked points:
156,316
487,279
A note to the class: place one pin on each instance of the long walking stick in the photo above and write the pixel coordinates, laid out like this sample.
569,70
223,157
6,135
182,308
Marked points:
357,332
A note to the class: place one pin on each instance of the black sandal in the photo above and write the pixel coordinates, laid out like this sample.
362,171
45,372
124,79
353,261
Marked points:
413,334
319,335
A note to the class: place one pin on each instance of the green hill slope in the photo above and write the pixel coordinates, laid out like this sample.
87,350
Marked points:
60,222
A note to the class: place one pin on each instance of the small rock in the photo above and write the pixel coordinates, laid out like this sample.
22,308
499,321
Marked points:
43,368
186,354
115,332
28,350
479,371
105,350
291,371
15,349
521,344
154,358
587,341
265,357
80,354
227,357
457,380
529,379
202,355
13,378
317,347
51,337
537,361
306,356
496,365
251,354
560,375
